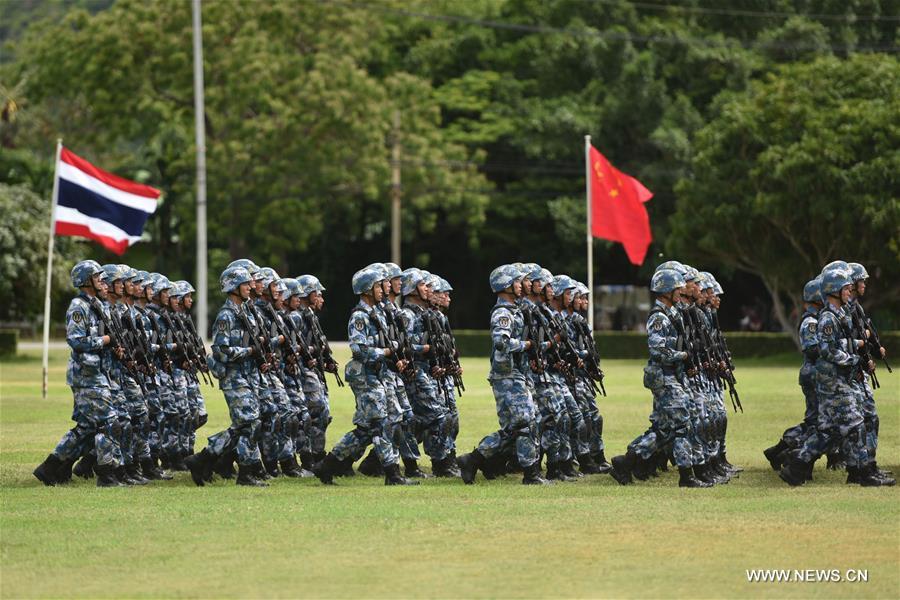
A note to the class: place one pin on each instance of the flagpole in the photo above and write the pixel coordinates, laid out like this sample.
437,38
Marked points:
200,132
45,359
590,236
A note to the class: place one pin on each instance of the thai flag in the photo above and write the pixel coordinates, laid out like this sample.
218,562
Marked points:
98,205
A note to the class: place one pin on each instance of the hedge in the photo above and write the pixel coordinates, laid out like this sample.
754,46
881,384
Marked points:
633,344
8,341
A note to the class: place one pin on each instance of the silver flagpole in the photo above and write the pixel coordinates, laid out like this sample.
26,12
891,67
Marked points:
200,130
590,237
45,359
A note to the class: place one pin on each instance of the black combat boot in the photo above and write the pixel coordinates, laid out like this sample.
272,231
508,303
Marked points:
568,469
622,467
177,463
125,477
555,472
443,468
307,460
729,466
345,468
392,476
271,467
662,462
198,464
586,464
327,468
835,462
134,471
163,474
246,476
149,470
532,475
48,471
880,472
469,465
106,477
774,455
371,466
513,466
868,477
600,461
687,479
411,469
64,473
289,467
84,468
493,467
223,466
259,471
794,471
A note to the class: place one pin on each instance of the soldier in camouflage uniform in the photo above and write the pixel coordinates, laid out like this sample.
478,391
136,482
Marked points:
794,437
516,410
95,416
232,361
840,419
196,405
364,374
665,376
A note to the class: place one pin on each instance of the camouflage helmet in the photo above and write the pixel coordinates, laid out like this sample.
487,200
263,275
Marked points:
161,284
381,267
142,278
247,264
128,272
83,271
833,280
179,289
307,284
291,287
530,269
691,274
393,270
812,290
232,277
707,281
364,279
581,289
503,277
666,280
444,285
837,264
717,288
858,272
671,264
267,275
433,281
410,279
187,285
111,272
561,283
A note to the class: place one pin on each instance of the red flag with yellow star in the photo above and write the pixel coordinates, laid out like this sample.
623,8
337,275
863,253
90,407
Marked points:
618,213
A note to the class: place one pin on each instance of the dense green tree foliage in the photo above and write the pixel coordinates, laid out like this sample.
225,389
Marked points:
495,98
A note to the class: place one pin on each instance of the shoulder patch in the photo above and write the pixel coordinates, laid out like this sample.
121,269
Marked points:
827,329
503,321
77,316
812,327
359,324
658,325
223,326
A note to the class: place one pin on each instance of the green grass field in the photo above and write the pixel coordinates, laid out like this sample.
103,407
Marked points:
444,539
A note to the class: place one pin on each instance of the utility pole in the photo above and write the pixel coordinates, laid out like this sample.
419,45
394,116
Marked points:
395,190
200,131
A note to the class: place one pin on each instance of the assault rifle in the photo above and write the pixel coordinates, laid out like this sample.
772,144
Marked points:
260,344
534,332
441,354
723,355
119,341
873,339
396,333
866,352
592,364
323,353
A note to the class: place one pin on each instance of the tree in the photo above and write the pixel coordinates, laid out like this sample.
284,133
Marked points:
23,254
799,170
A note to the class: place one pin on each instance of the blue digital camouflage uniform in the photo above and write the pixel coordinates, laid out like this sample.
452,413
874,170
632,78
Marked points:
554,424
136,402
168,420
364,374
576,436
233,364
664,375
809,346
276,409
96,421
840,420
400,412
866,399
516,410
449,387
585,394
426,395
299,420
154,408
710,394
315,392
696,401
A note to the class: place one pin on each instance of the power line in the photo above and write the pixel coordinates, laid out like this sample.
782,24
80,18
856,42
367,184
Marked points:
591,33
736,12
496,166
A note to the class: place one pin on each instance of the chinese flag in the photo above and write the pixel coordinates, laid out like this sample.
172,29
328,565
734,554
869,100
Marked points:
618,213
